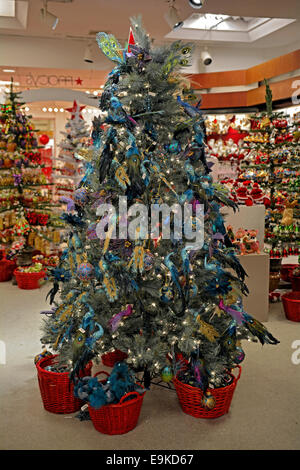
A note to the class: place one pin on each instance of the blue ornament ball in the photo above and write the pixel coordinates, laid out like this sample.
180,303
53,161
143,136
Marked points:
85,271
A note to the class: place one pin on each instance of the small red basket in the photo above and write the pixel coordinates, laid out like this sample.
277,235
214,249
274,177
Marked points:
291,305
7,268
111,358
120,418
190,398
29,280
286,270
57,389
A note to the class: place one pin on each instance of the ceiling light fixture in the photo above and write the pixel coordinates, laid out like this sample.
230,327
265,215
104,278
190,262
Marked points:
196,3
8,70
50,19
172,16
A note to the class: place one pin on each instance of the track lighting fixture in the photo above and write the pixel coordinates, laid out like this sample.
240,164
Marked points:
88,54
172,16
196,3
50,19
206,57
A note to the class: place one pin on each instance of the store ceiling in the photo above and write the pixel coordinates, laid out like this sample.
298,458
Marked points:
31,43
82,18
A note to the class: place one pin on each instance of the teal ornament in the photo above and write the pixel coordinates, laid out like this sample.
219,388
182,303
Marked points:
193,290
85,271
239,356
166,294
81,196
167,374
174,147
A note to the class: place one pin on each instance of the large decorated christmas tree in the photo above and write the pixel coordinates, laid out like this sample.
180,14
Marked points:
27,222
149,268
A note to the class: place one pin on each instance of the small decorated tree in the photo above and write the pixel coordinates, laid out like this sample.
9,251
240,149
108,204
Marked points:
274,164
68,168
27,222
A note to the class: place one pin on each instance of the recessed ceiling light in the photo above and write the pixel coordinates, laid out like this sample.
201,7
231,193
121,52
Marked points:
44,109
61,110
50,110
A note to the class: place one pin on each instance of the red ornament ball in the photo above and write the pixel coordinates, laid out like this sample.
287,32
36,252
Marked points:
44,139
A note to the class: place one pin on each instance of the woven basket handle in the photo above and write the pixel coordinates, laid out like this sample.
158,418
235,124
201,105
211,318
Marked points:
136,394
239,374
102,372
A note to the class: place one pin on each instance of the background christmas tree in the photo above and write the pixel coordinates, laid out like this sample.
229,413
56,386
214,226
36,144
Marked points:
274,164
68,168
26,218
154,296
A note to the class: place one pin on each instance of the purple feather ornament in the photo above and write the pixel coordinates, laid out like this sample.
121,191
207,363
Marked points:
115,320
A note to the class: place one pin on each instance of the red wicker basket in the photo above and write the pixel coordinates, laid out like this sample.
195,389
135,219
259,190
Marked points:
7,268
57,389
190,398
285,271
291,305
295,280
111,358
120,418
29,280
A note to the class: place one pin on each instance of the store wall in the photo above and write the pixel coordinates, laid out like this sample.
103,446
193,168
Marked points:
69,54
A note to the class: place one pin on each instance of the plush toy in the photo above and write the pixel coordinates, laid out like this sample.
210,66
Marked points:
238,241
251,243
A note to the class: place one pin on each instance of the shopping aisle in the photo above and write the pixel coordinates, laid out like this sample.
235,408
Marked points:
265,411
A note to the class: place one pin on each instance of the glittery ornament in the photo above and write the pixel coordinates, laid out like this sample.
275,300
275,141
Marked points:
148,260
166,294
21,227
208,401
167,374
85,271
91,231
239,355
174,147
81,196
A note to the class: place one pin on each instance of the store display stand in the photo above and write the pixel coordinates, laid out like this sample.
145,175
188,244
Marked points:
257,266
